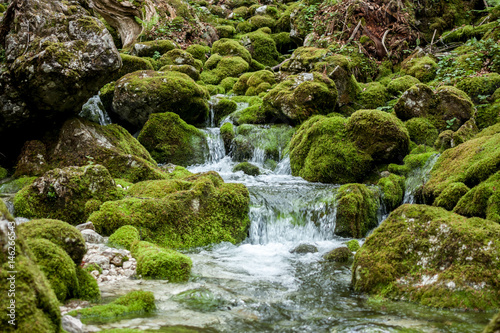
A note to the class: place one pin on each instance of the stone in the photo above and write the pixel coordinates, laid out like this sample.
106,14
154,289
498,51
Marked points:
87,225
304,248
71,324
91,236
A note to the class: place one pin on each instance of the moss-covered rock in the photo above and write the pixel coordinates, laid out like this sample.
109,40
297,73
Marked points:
227,133
198,51
155,262
393,189
340,254
494,325
225,31
32,160
422,131
62,193
481,85
379,134
301,96
132,64
87,286
399,85
356,210
229,47
221,108
124,237
57,265
5,215
223,67
488,115
431,256
449,197
261,21
372,96
58,232
135,303
252,84
262,47
139,94
353,245
16,185
423,68
189,70
321,151
150,48
179,57
36,305
204,211
247,168
170,140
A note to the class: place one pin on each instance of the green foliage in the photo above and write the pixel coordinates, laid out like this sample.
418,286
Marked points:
393,189
87,286
247,168
124,237
353,245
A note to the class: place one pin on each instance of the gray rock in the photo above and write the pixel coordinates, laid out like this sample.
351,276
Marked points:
91,236
87,225
305,248
261,10
71,324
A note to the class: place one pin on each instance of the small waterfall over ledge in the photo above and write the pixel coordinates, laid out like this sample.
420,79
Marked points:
417,178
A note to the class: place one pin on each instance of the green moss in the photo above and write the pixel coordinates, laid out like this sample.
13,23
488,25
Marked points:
212,62
340,254
124,237
87,286
262,47
60,233
178,57
37,308
356,211
494,325
483,85
92,267
372,96
399,85
321,151
149,49
223,108
155,262
57,265
225,67
132,64
228,83
225,31
252,84
4,212
186,69
198,51
247,168
422,131
3,173
449,197
261,21
134,303
62,193
106,94
423,68
206,212
16,185
393,189
488,115
353,245
228,47
227,133
171,140
418,254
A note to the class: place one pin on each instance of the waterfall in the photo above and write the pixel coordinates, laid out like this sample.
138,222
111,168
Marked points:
283,167
417,178
216,151
94,111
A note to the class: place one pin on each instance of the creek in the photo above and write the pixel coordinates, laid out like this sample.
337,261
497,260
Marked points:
260,286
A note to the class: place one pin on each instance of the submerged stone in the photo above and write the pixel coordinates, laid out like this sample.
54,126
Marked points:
340,254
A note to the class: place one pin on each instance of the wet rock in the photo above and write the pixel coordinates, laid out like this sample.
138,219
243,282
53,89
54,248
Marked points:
91,236
340,254
87,225
71,324
304,248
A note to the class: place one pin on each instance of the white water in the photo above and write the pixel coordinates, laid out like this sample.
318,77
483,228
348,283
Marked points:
94,111
417,178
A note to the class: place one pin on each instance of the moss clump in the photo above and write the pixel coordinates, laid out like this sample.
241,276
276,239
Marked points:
37,307
186,69
393,189
399,85
252,84
229,47
5,215
262,47
225,31
422,131
134,303
150,48
247,168
3,173
16,185
131,64
356,212
57,265
139,94
340,254
227,133
60,233
321,151
483,85
223,108
155,262
204,210
92,267
87,286
424,68
372,96
198,51
451,195
124,237
301,96
106,94
62,193
488,115
418,254
228,83
261,21
170,140
353,245
225,67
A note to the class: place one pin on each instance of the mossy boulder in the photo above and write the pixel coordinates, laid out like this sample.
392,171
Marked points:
36,307
132,64
261,21
450,196
139,94
155,262
189,70
481,85
16,185
422,68
447,107
380,134
399,85
135,303
227,133
247,168
254,83
198,51
5,215
431,256
229,47
203,210
372,95
32,160
321,151
353,245
58,232
301,96
221,108
179,57
150,48
169,139
62,193
229,66
340,254
57,265
225,31
488,115
422,131
124,237
87,286
393,190
356,210
262,47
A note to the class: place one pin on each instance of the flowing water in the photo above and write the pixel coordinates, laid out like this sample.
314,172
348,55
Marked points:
94,111
261,286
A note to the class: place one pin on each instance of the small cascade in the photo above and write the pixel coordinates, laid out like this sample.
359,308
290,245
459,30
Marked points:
417,178
258,157
283,167
94,111
216,151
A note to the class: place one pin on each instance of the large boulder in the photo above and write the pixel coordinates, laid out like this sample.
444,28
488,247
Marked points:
58,56
170,140
63,193
194,211
141,93
431,256
36,305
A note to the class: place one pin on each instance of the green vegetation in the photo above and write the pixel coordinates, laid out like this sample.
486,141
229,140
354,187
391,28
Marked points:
340,254
124,237
247,168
